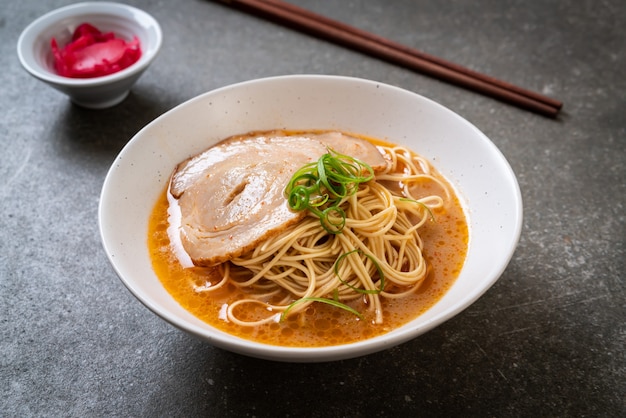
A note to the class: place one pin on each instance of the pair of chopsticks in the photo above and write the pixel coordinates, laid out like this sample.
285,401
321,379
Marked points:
314,24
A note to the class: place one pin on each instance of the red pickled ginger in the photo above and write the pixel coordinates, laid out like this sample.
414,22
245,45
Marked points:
92,53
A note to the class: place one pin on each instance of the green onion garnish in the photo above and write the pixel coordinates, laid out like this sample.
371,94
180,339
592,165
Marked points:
320,187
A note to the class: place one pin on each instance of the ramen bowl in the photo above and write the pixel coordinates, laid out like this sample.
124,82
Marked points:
477,170
35,53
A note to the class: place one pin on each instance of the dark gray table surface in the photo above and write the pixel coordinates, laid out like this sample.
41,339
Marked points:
548,339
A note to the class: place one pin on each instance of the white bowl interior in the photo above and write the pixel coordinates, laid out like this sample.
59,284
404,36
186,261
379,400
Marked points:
475,167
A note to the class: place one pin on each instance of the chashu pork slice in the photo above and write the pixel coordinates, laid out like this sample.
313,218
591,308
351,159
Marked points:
231,196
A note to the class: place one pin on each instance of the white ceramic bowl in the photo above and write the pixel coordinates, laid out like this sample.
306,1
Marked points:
35,54
472,163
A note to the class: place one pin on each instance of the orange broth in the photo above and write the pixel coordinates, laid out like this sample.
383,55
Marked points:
445,247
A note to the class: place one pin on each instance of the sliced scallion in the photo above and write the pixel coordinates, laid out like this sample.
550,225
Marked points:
320,187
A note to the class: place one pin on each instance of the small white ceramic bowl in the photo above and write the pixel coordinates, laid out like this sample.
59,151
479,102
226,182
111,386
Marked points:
473,164
35,54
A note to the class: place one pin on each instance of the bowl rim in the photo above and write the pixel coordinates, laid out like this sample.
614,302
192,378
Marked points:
239,345
27,37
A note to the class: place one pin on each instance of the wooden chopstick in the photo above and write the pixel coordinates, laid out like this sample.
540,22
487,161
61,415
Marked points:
365,42
422,55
